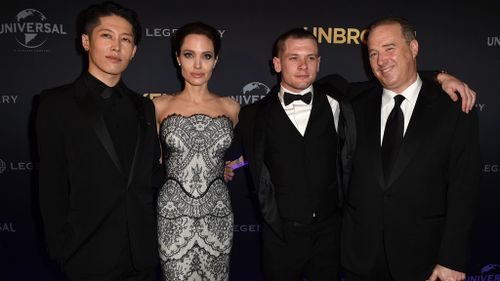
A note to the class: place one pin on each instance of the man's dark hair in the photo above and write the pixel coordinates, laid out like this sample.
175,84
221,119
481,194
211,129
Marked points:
295,33
89,18
406,28
199,28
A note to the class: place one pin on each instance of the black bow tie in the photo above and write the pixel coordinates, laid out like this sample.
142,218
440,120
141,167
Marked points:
289,98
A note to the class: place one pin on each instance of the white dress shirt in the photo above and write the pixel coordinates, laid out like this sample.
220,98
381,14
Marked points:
299,112
407,106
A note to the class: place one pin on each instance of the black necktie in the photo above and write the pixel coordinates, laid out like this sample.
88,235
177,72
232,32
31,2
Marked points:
289,98
393,136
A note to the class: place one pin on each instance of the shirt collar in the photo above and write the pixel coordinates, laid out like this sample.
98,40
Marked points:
410,93
96,86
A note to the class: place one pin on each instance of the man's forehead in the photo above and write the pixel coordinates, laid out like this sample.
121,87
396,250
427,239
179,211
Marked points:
300,43
385,37
113,22
385,30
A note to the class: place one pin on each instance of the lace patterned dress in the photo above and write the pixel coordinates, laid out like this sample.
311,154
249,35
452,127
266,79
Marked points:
195,219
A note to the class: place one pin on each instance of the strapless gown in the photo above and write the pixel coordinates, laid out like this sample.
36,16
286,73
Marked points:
195,218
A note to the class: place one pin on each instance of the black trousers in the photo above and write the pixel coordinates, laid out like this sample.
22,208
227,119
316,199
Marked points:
379,272
309,251
123,271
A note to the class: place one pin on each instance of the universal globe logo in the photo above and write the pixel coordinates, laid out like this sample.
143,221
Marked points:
488,272
29,36
31,28
252,92
3,166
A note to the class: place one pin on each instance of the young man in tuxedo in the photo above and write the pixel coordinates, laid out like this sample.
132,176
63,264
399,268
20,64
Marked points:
409,206
292,139
98,152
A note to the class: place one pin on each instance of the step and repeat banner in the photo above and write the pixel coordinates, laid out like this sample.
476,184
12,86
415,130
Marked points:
38,50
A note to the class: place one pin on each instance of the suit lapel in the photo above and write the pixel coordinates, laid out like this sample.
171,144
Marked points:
95,119
262,178
262,114
318,95
372,127
415,133
141,131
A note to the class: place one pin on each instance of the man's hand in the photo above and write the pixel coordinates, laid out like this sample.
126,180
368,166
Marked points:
442,273
231,166
228,171
451,85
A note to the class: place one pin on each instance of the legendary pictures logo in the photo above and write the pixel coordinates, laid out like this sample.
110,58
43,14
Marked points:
491,168
17,166
251,93
3,166
246,228
488,272
159,31
31,28
169,32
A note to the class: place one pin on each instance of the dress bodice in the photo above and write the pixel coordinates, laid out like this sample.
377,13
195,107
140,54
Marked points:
195,146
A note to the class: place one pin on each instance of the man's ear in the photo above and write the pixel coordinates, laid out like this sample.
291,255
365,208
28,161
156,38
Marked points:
133,52
85,42
277,64
414,48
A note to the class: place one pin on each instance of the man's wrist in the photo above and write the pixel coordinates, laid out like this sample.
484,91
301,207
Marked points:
436,76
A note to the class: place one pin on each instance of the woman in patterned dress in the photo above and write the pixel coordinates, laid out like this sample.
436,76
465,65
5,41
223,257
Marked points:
195,219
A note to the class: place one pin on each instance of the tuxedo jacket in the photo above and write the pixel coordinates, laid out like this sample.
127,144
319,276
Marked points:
423,213
90,207
251,133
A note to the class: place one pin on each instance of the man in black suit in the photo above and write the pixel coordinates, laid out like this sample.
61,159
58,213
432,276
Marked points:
291,142
98,151
410,202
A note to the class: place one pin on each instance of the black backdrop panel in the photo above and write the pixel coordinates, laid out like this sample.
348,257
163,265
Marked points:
464,40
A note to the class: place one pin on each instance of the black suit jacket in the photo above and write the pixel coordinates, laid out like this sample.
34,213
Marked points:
424,211
251,133
90,208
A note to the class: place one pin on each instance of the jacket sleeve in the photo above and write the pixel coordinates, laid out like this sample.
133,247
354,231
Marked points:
53,175
158,175
462,197
347,141
336,84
